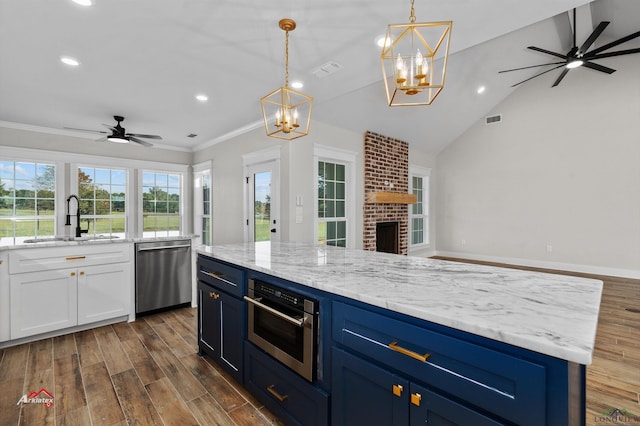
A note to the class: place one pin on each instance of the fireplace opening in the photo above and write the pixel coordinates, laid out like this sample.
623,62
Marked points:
387,237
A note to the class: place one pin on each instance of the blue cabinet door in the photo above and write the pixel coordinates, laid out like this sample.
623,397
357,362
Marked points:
208,320
220,328
430,408
231,332
364,394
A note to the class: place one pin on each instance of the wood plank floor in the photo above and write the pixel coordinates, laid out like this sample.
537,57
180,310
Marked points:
148,372
613,378
142,373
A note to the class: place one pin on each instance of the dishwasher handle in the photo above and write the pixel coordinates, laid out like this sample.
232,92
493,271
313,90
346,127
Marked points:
163,247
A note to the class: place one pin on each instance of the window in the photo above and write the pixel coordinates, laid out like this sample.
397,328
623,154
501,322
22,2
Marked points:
202,207
332,220
102,193
161,199
419,213
27,201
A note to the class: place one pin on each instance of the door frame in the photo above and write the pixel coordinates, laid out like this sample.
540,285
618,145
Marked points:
263,160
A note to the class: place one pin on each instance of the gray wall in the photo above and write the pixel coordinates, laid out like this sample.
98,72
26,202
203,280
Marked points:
557,183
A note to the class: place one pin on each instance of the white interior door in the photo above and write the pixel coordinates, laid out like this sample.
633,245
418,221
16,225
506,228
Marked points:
263,202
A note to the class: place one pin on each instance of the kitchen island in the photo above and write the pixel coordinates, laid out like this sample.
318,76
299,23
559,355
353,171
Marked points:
534,332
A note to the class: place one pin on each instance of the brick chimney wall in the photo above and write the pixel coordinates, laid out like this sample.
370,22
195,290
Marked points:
386,169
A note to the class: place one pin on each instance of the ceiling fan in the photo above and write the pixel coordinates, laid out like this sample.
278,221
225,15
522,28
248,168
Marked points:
119,135
581,56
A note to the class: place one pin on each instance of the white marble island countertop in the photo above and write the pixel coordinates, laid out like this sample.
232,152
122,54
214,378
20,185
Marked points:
555,315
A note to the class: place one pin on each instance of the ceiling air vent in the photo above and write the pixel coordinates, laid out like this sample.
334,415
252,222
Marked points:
492,119
326,69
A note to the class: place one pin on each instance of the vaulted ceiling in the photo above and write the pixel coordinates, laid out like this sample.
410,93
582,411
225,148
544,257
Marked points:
146,60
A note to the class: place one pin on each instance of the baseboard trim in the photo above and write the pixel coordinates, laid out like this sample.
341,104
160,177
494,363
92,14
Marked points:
568,267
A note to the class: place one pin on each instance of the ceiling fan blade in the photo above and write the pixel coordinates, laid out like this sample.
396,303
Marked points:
86,130
140,141
539,74
144,136
560,77
532,66
548,52
594,35
610,54
112,128
614,43
102,139
598,67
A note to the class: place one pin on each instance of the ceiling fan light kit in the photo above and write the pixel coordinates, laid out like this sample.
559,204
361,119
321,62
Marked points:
414,61
287,112
581,56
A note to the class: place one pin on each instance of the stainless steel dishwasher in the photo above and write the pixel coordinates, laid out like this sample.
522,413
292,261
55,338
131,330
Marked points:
163,274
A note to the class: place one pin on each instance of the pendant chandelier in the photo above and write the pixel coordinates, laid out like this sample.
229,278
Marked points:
287,112
414,61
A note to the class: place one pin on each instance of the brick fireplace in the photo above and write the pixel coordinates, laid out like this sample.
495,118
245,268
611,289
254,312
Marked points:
386,169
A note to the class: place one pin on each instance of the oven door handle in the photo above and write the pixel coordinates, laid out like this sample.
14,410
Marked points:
294,321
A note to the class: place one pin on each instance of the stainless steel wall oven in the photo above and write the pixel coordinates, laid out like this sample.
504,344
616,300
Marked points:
285,325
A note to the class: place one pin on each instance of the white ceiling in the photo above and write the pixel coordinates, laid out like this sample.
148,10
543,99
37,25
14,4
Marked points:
146,60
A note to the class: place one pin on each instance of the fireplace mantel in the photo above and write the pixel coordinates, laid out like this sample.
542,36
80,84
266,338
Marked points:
390,198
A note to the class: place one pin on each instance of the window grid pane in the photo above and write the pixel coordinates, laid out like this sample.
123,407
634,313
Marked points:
102,194
332,228
27,201
161,193
419,219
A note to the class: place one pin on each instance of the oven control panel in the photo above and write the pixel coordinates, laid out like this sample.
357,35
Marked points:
280,295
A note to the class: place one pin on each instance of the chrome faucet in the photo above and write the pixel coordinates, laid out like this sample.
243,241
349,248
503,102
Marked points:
79,231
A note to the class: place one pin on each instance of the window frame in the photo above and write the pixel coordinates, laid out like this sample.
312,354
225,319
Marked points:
182,205
425,175
26,155
199,171
348,159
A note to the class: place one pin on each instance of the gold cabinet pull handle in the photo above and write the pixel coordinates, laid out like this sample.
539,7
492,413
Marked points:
81,272
397,390
214,295
213,274
75,257
416,398
394,347
73,274
273,392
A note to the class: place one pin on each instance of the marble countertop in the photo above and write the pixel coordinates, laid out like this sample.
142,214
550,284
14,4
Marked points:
73,241
555,315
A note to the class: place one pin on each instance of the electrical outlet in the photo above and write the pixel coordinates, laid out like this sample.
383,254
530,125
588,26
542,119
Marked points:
463,242
549,248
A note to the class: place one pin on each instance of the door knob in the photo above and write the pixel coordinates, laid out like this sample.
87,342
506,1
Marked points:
273,230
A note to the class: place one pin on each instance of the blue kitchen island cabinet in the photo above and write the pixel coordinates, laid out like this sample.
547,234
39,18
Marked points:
221,314
412,341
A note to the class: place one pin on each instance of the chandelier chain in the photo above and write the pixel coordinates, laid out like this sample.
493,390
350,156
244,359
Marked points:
412,18
286,63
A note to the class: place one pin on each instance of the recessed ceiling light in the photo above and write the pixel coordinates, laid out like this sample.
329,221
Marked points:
83,2
380,40
68,60
481,89
202,97
297,84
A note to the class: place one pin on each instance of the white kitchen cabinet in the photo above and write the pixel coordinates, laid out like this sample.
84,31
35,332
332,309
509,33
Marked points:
103,292
60,287
5,304
43,301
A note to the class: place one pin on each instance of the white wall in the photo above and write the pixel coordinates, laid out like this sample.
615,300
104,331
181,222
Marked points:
561,170
297,179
